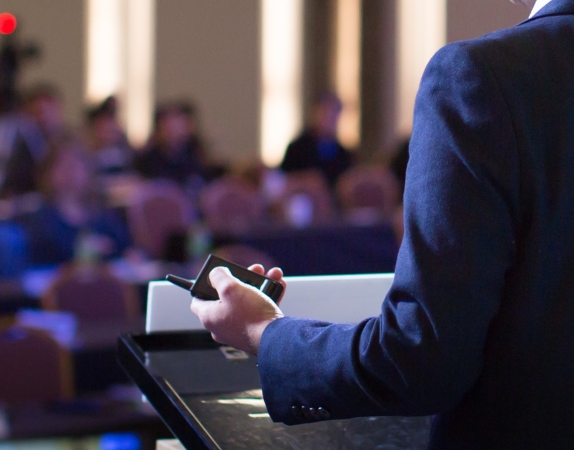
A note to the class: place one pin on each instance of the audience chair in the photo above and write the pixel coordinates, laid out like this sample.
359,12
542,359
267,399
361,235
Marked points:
34,367
230,205
306,200
92,293
158,210
368,194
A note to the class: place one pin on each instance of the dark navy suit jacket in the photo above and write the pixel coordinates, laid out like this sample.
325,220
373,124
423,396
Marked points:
478,327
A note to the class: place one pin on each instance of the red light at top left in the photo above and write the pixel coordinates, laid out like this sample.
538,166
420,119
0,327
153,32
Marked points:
7,23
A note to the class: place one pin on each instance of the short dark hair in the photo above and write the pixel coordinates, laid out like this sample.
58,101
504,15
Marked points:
107,108
328,97
179,107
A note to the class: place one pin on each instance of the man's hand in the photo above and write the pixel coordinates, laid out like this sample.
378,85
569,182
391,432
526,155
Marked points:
242,313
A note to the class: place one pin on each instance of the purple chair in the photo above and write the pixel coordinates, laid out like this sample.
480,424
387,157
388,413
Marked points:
92,293
34,367
158,209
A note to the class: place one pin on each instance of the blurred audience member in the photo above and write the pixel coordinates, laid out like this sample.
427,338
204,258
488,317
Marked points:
24,137
71,222
44,103
317,147
174,151
12,251
22,148
106,140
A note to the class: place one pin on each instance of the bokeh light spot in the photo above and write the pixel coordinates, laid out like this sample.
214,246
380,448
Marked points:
7,23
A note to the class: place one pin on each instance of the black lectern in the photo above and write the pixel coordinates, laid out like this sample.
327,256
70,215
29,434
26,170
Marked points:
210,397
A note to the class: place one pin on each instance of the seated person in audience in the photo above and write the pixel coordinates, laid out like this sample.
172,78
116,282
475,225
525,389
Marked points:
12,251
106,140
174,150
24,138
72,218
22,146
44,103
317,147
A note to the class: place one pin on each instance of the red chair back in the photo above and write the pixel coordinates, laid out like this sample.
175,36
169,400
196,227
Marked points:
369,192
33,367
92,294
231,206
307,190
158,210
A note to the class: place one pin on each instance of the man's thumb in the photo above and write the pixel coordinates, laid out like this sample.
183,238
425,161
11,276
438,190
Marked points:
219,276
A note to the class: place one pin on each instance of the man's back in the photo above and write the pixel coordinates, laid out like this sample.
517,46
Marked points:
524,170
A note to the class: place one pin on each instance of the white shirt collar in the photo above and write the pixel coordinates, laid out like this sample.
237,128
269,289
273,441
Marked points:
538,6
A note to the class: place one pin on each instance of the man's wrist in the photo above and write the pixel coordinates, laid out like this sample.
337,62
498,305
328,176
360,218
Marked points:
255,333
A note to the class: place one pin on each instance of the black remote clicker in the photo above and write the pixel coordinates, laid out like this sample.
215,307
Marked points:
202,288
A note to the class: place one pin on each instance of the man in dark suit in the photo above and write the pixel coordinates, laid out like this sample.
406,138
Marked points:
478,327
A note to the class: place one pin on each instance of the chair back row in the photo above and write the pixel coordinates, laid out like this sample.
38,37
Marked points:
159,209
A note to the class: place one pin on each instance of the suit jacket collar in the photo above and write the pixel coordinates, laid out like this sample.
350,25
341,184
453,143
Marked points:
554,8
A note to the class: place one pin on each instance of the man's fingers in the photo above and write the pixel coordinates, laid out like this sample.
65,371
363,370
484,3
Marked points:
257,268
207,312
225,283
199,307
222,281
275,273
219,275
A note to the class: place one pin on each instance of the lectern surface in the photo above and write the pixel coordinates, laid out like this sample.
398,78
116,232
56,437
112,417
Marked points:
239,421
203,396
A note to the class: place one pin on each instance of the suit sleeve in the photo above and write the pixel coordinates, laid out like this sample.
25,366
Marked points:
424,351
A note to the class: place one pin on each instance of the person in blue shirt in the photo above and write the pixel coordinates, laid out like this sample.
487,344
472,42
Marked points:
71,215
